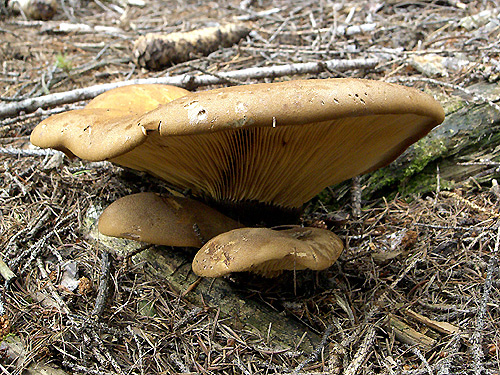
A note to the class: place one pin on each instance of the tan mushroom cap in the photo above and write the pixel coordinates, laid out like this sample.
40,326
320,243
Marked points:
276,143
104,126
267,252
169,221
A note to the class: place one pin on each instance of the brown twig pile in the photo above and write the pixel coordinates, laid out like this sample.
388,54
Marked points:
416,291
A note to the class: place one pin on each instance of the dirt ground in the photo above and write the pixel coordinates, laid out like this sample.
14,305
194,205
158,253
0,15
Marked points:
416,290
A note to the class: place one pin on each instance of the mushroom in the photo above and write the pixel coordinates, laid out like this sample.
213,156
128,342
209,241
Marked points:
171,221
271,145
267,252
104,127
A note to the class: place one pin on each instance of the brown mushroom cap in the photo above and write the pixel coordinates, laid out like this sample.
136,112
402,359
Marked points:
273,143
103,127
169,221
267,252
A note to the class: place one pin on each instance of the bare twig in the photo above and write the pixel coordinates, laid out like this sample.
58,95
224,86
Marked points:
362,353
317,351
104,287
420,356
10,151
103,350
356,197
443,367
139,349
186,80
62,305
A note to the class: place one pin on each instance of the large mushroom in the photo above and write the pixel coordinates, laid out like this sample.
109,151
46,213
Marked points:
256,152
276,144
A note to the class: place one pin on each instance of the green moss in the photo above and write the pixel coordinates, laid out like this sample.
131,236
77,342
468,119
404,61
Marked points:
146,308
423,152
396,177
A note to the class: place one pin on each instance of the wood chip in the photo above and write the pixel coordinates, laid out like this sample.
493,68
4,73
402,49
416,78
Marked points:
443,327
404,333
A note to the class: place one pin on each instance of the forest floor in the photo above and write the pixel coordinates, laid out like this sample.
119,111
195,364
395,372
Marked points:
417,289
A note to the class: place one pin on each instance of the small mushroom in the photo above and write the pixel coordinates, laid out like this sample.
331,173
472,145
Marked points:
267,252
171,221
269,145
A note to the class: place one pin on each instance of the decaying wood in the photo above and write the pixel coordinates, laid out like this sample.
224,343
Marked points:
156,51
175,267
470,132
443,327
34,9
406,334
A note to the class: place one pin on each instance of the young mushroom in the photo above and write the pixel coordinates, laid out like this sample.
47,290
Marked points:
266,147
170,221
267,252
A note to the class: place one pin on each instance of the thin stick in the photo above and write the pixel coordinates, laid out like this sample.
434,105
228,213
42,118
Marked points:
104,289
315,354
10,151
477,335
362,353
103,350
139,348
185,80
420,356
356,197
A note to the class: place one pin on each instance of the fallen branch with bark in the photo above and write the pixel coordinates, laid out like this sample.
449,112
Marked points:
156,51
188,81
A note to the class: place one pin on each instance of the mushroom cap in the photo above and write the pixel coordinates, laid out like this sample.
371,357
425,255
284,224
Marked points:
272,143
159,220
267,252
104,126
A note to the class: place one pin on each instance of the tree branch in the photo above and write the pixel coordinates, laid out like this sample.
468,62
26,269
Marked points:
188,81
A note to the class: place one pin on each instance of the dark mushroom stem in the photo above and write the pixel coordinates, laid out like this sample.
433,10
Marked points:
254,213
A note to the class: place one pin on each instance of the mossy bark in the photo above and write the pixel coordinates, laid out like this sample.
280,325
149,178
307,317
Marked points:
470,132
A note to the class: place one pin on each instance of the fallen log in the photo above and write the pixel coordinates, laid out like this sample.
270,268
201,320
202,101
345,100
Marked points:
156,51
462,148
242,313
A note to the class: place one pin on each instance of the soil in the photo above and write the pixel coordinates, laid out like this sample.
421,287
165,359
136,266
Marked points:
415,292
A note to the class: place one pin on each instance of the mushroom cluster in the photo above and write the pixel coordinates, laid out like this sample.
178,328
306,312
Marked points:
255,153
